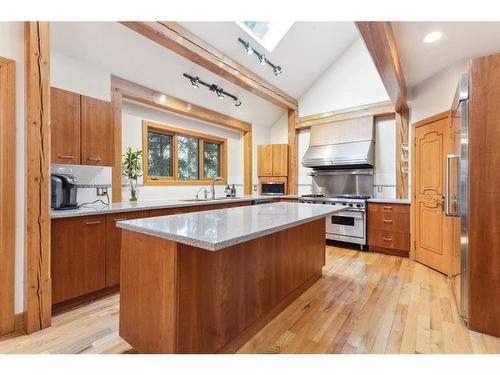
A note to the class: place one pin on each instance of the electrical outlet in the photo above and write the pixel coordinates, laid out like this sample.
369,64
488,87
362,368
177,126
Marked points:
101,191
255,187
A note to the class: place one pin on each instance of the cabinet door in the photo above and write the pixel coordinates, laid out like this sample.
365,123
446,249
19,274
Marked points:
114,245
98,138
265,160
78,256
280,160
65,126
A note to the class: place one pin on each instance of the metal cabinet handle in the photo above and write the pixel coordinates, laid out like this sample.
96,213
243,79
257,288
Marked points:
66,156
121,219
154,178
387,239
447,207
94,158
387,208
387,221
92,222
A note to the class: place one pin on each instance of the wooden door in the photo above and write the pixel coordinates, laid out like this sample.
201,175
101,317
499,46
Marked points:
65,126
265,160
97,132
280,159
78,256
432,228
114,244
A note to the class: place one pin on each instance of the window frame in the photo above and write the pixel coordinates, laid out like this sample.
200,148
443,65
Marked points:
175,132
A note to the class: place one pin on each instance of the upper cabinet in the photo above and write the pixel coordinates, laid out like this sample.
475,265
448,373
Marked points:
82,129
272,160
97,132
65,126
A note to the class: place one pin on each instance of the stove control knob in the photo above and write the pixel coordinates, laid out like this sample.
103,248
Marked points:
358,205
343,204
350,204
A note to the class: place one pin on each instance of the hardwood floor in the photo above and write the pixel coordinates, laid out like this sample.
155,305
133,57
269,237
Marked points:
365,303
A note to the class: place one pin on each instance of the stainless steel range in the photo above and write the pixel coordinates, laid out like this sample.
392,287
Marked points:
346,226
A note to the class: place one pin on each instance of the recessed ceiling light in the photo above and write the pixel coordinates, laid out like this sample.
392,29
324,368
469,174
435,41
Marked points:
433,37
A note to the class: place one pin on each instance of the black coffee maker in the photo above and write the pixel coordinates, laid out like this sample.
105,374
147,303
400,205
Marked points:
63,191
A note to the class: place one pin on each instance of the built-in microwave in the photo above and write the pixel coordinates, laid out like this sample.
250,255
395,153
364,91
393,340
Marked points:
272,188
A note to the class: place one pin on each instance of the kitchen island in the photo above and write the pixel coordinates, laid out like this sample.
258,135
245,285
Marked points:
206,282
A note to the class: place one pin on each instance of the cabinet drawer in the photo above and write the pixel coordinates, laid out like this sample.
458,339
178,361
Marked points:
388,239
391,221
388,208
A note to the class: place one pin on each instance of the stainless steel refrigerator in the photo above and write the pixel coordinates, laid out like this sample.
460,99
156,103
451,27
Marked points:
457,193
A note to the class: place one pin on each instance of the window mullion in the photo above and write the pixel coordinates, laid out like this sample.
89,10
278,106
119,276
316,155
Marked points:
201,160
175,158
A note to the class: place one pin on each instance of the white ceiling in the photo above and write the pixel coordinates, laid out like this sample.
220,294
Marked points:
305,51
308,50
460,40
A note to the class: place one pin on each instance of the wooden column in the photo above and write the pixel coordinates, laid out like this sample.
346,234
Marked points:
116,101
402,166
7,193
292,153
247,169
37,294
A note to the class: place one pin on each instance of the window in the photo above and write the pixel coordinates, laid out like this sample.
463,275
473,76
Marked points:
182,157
267,33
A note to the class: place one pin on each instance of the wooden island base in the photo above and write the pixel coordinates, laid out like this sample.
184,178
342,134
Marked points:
177,298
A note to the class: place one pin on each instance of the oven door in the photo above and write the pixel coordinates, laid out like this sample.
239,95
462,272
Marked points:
346,226
272,188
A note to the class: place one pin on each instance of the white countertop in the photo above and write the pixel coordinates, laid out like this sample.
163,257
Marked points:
99,208
389,200
216,229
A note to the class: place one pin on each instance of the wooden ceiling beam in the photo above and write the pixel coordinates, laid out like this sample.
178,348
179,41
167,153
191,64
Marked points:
375,109
179,40
379,39
145,95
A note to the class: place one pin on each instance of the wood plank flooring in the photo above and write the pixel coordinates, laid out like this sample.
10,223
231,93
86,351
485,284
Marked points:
365,303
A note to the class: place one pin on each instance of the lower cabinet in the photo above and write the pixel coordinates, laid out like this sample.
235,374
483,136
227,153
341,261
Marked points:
114,245
388,228
85,251
78,256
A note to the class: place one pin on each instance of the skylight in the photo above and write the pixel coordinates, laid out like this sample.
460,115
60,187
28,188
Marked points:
267,33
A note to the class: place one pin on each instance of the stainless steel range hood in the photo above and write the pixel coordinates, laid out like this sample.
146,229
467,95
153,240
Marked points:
340,155
344,144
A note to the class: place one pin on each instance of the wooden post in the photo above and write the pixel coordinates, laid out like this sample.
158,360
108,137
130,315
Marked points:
116,101
247,156
37,294
292,153
7,193
402,166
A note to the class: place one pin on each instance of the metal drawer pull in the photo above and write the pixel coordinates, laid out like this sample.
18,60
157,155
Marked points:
92,222
66,156
96,158
386,239
387,221
121,219
387,208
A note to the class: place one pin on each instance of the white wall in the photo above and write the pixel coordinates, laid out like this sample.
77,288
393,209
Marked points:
435,94
350,81
134,114
12,47
384,177
278,133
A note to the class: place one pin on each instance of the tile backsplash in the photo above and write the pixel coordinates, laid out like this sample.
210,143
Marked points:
88,178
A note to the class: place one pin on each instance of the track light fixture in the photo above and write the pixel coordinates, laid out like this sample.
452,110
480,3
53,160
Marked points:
262,59
219,91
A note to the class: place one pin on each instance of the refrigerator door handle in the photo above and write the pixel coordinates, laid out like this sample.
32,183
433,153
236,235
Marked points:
447,201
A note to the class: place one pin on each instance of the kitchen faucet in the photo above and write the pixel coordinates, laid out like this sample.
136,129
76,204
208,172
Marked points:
213,185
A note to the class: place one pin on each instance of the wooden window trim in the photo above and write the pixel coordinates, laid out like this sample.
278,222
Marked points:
175,132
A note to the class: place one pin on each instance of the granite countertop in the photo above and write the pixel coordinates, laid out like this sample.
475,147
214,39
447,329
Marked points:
99,208
217,229
389,200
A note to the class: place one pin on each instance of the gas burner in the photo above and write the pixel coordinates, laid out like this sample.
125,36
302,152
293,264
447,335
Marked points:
312,196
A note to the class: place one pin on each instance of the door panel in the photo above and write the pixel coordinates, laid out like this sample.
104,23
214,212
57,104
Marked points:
265,160
433,228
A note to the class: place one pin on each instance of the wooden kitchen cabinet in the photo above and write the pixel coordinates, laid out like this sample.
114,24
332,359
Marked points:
388,228
97,132
78,256
265,160
82,129
114,244
65,126
272,160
